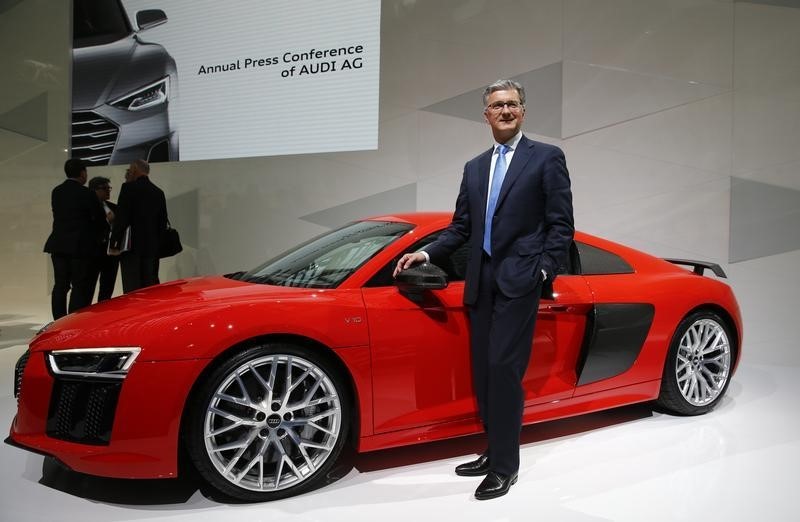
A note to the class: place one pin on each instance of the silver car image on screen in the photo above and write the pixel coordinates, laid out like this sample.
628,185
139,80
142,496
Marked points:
122,87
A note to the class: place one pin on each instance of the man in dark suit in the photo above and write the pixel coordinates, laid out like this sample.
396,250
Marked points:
105,266
515,203
142,207
73,240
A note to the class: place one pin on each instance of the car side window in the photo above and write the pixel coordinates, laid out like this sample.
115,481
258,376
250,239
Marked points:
455,267
596,261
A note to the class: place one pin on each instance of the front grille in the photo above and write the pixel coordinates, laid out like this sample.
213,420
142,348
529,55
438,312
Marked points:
93,137
19,369
83,411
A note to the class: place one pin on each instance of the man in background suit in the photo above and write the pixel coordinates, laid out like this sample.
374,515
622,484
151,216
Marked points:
142,207
72,243
515,204
105,266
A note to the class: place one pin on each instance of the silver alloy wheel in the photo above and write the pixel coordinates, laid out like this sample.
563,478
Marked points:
703,363
272,423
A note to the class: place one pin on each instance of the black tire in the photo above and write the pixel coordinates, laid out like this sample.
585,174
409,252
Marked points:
699,364
255,445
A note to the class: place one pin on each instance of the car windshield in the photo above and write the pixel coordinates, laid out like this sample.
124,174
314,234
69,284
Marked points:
329,259
97,22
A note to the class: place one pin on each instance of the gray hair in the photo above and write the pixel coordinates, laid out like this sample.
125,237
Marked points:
504,85
142,165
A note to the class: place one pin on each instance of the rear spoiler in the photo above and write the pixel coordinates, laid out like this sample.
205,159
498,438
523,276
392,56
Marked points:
699,266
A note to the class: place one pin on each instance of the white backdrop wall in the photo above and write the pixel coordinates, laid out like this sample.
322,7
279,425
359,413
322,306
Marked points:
680,120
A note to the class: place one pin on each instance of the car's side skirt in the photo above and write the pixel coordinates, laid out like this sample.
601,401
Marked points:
622,396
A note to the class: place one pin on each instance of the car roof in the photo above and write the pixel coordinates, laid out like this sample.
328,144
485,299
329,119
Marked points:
416,218
427,222
441,219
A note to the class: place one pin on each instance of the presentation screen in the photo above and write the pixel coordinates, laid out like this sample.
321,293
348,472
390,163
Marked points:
176,80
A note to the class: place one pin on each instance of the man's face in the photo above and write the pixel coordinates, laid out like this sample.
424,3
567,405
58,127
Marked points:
130,174
504,113
103,192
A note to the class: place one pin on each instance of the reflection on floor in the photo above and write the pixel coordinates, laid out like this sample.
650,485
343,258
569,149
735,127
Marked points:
737,463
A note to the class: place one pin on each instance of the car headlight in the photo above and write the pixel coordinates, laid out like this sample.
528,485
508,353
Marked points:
93,362
148,96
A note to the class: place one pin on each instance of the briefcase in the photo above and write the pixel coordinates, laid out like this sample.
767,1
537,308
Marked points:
169,243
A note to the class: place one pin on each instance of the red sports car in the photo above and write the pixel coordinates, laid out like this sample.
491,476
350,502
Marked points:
264,376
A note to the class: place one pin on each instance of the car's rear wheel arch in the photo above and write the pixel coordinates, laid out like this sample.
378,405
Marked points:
706,341
729,322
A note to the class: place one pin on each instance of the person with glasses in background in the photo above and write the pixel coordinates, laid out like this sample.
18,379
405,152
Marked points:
515,208
106,266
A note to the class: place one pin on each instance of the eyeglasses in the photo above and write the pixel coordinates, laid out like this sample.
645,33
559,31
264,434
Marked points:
104,187
497,106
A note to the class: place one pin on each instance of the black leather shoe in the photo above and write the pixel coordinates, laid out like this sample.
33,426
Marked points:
475,468
495,485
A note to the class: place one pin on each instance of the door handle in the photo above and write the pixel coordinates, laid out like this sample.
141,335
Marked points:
557,308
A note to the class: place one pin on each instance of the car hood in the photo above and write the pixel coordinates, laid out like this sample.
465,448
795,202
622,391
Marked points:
95,70
103,73
160,307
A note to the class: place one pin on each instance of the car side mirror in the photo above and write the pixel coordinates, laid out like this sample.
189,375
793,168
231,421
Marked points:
418,278
148,18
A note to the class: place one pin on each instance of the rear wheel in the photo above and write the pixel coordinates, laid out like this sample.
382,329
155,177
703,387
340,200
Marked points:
698,368
269,422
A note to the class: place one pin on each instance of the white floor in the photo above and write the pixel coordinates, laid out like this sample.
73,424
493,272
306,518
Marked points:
740,462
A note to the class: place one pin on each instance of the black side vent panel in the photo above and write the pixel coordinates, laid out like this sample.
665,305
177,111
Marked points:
616,334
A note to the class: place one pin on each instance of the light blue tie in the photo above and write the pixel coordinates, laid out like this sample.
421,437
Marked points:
497,182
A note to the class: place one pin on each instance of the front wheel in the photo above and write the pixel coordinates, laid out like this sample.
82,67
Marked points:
269,422
698,368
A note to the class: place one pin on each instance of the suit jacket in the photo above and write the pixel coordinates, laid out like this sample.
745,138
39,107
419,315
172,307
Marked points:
142,206
532,226
77,220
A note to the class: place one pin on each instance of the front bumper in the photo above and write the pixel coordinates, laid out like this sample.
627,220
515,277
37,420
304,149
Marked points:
144,424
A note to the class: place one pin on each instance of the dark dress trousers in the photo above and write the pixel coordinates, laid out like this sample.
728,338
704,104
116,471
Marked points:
532,229
142,206
77,216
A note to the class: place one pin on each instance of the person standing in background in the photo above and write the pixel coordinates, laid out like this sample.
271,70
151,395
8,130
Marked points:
73,240
141,206
106,266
